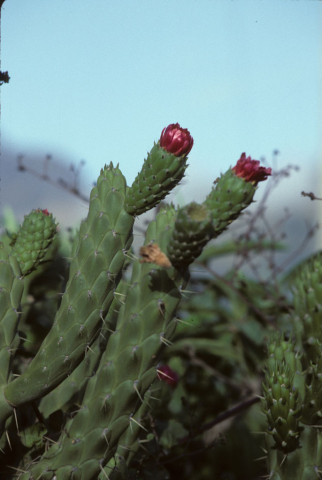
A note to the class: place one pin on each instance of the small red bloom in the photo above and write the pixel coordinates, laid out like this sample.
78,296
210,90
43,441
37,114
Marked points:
250,170
176,140
45,212
166,374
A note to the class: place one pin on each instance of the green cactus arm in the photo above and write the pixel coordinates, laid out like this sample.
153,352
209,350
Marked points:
312,403
304,463
160,173
104,238
162,170
71,391
307,315
282,393
231,195
128,445
33,239
293,448
127,368
192,231
11,290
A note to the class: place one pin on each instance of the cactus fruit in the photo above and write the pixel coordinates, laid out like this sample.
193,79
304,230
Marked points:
33,239
162,170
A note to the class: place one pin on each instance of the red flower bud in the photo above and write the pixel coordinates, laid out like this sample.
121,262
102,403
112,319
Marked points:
250,170
166,374
45,212
176,140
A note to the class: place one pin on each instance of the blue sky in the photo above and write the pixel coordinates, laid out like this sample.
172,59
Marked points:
98,80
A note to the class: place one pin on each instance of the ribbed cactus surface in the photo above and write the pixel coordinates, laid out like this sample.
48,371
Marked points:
160,173
11,290
104,239
192,231
127,368
230,196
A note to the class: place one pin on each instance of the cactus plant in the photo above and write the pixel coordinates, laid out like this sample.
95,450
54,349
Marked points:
88,383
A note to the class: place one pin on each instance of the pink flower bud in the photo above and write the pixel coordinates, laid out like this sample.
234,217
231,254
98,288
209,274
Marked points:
176,140
166,374
250,170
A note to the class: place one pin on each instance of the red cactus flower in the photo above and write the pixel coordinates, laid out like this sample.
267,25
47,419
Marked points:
176,140
166,374
45,212
250,170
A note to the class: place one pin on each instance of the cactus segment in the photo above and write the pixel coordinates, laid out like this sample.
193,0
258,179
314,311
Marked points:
301,464
71,391
226,201
128,366
282,388
312,405
128,445
160,173
104,238
11,289
308,306
192,231
33,239
281,405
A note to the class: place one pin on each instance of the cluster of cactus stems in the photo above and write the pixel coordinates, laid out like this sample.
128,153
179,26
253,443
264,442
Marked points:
108,335
292,388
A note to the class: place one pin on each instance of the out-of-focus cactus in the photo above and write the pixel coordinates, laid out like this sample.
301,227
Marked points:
86,388
293,401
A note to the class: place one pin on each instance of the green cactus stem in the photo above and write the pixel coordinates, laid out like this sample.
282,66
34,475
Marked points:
104,239
228,199
33,239
127,368
129,443
162,170
307,315
312,404
192,231
234,191
304,463
71,391
282,407
11,289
